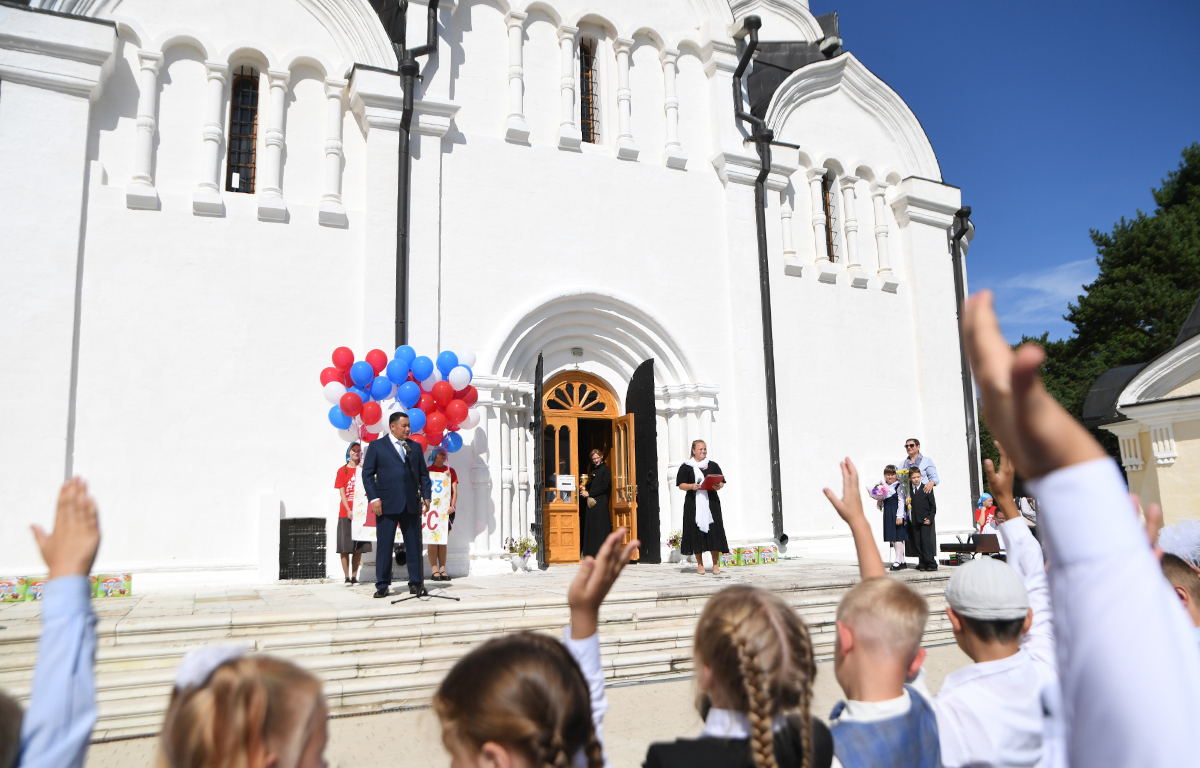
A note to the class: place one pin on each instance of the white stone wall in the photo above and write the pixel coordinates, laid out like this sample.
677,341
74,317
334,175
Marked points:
206,315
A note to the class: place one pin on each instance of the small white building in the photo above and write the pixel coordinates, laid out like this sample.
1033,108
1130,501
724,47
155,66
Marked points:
176,270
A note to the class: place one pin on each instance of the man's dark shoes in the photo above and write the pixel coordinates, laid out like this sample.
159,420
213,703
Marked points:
416,589
381,592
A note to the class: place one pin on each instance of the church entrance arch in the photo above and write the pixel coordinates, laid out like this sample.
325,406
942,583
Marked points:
580,414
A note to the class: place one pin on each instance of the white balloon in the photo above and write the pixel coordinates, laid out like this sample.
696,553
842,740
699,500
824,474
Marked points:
459,377
395,388
471,421
466,358
373,428
334,392
434,378
346,435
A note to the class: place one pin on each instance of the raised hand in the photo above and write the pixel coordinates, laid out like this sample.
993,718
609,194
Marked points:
1039,435
71,548
849,508
593,581
1001,483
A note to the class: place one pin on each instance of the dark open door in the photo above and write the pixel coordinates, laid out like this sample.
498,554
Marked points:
539,460
639,402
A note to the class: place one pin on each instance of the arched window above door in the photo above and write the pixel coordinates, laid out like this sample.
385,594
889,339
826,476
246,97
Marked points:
580,394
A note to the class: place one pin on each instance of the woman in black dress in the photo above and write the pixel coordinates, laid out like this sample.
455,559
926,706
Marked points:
703,526
597,525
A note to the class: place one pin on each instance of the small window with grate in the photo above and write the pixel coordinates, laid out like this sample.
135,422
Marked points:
830,206
243,131
589,101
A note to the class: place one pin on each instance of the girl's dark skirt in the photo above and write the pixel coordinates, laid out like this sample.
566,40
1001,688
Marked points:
345,544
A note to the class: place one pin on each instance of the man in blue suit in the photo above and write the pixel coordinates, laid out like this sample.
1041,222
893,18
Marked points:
398,489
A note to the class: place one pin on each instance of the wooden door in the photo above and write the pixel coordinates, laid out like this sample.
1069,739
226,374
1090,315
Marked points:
561,507
624,472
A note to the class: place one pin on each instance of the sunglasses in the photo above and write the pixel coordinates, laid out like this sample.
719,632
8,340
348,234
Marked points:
910,445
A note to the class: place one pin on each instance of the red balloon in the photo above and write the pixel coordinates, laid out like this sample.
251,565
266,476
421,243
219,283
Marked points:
420,440
457,411
451,427
330,374
432,438
435,422
443,392
426,403
369,437
378,360
371,412
351,404
343,358
346,380
468,395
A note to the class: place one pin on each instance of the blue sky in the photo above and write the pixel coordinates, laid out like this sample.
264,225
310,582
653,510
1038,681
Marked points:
1053,118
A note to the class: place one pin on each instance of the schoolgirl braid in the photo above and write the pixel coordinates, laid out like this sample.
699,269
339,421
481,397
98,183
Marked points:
758,696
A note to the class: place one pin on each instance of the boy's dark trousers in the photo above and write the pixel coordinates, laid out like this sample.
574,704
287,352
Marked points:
924,536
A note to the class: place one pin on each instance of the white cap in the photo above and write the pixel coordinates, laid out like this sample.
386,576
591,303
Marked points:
987,589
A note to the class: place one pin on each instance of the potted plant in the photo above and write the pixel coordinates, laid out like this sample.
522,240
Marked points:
522,553
675,541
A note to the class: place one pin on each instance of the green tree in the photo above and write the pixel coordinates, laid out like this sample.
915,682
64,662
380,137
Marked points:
1149,281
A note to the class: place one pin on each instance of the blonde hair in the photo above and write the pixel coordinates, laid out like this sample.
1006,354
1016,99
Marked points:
692,452
887,616
759,654
248,707
523,691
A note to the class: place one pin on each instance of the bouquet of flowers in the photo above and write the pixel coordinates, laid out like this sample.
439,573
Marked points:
524,546
675,541
879,491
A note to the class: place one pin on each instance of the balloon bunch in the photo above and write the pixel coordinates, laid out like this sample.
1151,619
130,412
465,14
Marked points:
436,395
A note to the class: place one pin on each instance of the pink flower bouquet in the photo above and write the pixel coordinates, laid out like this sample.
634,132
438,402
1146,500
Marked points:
879,491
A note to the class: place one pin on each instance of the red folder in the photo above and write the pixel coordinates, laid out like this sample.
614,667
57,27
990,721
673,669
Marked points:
711,482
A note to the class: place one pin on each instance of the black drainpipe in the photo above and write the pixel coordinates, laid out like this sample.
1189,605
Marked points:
960,291
762,142
408,79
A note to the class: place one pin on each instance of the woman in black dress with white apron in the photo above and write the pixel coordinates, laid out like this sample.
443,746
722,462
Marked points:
703,526
597,525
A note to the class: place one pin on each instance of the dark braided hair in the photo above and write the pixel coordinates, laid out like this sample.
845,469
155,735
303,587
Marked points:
761,660
523,691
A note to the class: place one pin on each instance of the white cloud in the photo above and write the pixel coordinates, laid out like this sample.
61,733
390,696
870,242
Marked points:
1041,296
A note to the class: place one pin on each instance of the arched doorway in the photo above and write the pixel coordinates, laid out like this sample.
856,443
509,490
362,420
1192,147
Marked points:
580,413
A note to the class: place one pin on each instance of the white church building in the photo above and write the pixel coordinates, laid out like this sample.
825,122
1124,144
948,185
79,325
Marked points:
200,204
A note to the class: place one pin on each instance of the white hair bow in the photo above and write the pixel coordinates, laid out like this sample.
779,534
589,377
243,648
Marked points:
199,664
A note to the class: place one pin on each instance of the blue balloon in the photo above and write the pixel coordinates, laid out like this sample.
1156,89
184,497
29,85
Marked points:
381,388
446,362
422,368
397,371
406,353
363,394
339,419
408,395
361,373
416,418
452,442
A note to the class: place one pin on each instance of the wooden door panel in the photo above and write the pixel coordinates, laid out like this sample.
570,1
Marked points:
624,471
561,507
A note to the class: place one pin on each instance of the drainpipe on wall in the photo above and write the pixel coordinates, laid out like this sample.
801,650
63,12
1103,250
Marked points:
960,295
408,69
762,142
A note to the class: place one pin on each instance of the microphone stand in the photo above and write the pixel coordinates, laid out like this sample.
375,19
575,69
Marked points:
425,593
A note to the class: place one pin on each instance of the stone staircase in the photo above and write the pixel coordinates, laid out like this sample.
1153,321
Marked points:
386,656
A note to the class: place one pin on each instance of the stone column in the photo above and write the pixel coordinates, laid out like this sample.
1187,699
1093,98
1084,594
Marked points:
627,148
521,517
569,136
858,278
332,213
506,471
516,129
886,276
826,272
141,193
674,156
206,200
676,456
791,265
271,205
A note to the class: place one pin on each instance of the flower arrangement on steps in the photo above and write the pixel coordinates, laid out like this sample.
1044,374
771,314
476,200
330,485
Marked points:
522,552
675,541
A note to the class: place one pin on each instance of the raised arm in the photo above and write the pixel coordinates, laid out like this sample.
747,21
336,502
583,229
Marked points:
849,508
1128,661
62,708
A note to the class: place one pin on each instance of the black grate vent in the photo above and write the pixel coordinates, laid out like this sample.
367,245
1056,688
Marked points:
302,548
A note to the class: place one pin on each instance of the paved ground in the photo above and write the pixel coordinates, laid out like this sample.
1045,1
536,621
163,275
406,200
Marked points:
638,715
334,595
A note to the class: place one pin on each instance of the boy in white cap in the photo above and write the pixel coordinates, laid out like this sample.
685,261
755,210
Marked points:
994,711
